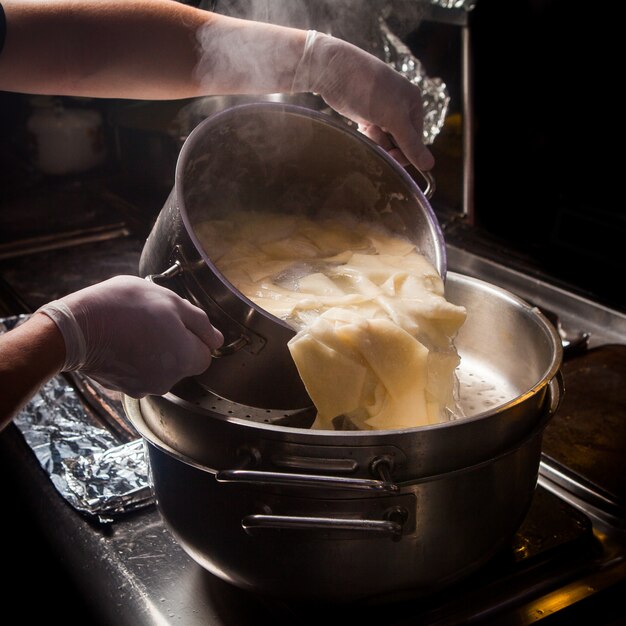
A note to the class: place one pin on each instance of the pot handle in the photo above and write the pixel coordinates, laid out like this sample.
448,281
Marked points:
253,524
303,480
429,190
171,272
557,389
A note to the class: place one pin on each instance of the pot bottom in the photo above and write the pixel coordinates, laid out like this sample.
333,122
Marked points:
454,526
338,594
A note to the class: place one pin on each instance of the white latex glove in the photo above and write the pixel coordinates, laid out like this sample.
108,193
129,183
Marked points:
133,336
386,106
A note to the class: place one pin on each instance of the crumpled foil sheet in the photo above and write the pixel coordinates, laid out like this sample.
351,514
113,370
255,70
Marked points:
434,91
85,462
110,482
468,5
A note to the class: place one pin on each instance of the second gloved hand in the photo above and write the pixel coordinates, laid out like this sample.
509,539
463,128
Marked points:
386,106
133,336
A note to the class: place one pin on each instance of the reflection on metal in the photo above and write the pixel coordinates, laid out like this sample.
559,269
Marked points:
230,348
468,127
24,247
573,593
434,91
466,5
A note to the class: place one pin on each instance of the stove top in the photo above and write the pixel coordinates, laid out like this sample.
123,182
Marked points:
567,559
553,546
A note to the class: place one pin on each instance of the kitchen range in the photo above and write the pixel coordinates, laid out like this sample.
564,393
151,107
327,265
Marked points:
569,553
565,565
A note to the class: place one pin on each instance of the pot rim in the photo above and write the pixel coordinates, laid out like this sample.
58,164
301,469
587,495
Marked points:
132,407
548,375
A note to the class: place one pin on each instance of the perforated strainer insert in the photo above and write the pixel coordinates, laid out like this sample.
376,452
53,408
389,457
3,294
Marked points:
215,405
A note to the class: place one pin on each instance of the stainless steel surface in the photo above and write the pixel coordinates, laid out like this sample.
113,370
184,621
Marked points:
135,572
298,149
506,346
253,524
42,243
175,270
201,108
431,185
576,313
468,127
598,325
148,135
509,354
307,481
450,525
275,157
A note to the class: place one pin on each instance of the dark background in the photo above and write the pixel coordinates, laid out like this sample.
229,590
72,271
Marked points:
549,135
547,117
549,183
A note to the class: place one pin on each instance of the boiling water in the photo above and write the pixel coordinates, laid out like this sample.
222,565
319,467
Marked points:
358,297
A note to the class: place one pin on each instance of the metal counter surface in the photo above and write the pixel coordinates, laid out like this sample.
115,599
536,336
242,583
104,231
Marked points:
133,572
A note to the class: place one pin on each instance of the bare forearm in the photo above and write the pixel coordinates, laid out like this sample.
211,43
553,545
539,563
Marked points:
240,56
29,355
144,49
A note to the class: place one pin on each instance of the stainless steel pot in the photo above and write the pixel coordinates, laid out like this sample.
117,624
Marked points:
333,537
508,349
291,511
281,158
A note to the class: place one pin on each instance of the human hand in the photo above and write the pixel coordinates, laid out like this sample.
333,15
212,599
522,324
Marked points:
133,336
386,106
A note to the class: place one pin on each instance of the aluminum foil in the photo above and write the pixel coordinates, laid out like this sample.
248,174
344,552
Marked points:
468,5
86,463
434,91
114,481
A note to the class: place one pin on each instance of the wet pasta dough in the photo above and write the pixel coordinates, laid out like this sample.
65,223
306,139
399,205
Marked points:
375,334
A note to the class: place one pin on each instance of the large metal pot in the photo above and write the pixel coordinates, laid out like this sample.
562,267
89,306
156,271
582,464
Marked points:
334,538
508,349
281,158
445,497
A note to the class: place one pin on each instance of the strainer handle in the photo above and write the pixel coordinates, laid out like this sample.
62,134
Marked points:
431,186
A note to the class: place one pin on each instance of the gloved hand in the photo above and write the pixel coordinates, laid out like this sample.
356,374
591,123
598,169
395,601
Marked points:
133,336
386,106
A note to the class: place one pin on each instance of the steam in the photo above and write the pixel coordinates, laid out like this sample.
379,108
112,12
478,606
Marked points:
250,61
243,60
355,21
294,13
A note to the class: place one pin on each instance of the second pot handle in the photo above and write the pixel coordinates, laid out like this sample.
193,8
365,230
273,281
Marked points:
429,190
304,480
253,524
